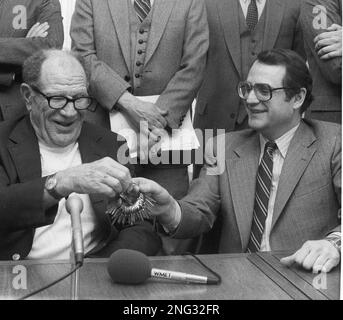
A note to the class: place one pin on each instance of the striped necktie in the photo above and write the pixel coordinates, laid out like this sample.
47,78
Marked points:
142,8
263,186
252,15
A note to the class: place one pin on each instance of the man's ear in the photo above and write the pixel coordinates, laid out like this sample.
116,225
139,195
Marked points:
26,93
299,98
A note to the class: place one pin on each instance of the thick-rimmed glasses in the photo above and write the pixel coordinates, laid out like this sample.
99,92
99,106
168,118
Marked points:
59,102
263,91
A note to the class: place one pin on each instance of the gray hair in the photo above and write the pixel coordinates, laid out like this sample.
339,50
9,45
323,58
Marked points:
32,66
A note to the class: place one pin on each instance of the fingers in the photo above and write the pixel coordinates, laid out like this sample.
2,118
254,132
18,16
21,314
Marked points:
38,30
330,55
334,27
298,257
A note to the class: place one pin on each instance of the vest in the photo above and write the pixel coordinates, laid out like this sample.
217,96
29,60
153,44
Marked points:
251,45
139,35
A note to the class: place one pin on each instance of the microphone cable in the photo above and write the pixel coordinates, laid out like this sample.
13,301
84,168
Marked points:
215,274
78,266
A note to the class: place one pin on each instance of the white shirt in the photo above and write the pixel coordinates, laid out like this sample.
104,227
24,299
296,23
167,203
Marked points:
278,160
259,3
54,241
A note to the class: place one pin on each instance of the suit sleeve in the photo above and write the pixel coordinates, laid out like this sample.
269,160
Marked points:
105,83
21,204
16,50
200,207
183,87
331,69
336,164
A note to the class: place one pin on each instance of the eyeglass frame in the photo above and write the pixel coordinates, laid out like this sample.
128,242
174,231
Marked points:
48,98
269,88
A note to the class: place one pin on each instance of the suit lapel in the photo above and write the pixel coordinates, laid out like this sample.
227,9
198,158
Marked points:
228,12
274,13
299,155
120,14
242,170
91,151
24,150
161,12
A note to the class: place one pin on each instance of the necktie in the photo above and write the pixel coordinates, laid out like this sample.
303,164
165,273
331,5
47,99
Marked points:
252,15
142,8
263,185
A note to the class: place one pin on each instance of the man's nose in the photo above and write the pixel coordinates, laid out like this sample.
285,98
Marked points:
69,110
252,99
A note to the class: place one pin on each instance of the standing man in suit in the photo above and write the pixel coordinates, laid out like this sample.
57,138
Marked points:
239,30
143,48
25,27
279,184
321,21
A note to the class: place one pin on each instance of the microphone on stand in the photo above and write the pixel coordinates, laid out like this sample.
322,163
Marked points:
133,267
74,206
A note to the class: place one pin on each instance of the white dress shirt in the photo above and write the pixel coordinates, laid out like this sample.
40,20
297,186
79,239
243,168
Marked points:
259,3
279,156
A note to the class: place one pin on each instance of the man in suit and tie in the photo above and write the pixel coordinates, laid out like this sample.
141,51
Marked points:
279,185
25,27
143,48
239,30
321,21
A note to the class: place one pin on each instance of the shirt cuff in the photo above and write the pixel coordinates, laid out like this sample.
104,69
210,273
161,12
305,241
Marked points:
171,227
335,238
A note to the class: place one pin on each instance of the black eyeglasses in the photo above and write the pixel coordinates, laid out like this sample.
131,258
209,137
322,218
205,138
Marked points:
263,91
59,102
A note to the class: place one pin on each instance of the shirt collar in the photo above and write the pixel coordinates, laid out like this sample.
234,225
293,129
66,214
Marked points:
246,1
282,143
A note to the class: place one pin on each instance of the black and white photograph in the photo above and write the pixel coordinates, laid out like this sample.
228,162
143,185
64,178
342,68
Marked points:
170,155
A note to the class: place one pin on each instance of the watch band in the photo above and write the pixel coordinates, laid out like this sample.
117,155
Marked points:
335,241
50,187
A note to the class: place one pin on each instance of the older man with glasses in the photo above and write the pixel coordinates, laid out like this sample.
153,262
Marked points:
278,186
51,153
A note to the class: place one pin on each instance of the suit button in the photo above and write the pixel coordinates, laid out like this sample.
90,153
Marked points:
127,78
139,51
232,116
140,41
141,31
138,63
16,257
137,75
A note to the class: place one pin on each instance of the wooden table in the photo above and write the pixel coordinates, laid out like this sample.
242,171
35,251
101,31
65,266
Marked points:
255,276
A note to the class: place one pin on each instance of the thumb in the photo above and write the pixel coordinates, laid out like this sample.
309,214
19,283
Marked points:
288,261
163,112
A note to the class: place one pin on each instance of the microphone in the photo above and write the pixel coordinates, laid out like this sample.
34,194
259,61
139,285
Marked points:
74,206
132,267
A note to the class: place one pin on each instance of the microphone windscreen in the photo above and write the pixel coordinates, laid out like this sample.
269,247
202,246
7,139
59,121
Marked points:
129,266
74,202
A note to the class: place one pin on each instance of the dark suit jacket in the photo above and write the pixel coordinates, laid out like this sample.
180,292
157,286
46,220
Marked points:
327,74
15,47
307,204
22,187
175,55
218,101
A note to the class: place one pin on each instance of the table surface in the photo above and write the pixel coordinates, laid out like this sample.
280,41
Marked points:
254,276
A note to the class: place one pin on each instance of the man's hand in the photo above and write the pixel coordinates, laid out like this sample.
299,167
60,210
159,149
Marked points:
165,207
319,255
104,176
38,30
139,110
329,44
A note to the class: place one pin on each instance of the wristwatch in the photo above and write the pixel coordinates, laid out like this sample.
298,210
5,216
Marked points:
335,240
50,187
